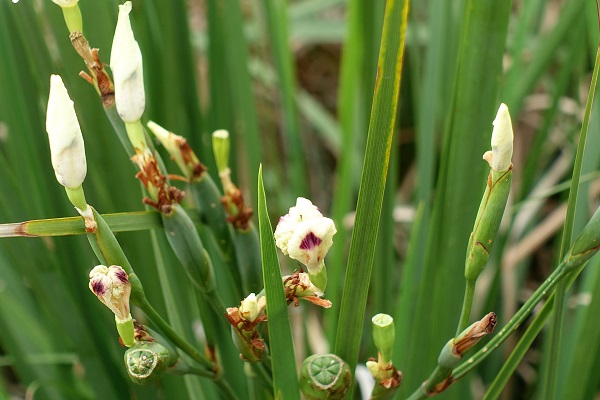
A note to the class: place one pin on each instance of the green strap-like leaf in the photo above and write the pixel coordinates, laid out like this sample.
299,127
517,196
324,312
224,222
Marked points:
370,197
285,378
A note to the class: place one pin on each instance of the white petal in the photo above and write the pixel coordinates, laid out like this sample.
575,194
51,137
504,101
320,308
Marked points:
311,241
502,140
128,73
64,133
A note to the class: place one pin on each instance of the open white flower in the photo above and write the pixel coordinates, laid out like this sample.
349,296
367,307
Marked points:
305,234
303,211
112,287
502,140
128,73
64,134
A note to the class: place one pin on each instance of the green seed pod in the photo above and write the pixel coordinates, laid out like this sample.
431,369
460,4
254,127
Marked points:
487,222
146,362
325,377
207,199
247,249
185,242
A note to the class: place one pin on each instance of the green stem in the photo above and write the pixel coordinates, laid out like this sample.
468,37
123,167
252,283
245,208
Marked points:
544,290
438,375
135,132
183,368
173,336
549,389
441,373
520,349
467,305
264,375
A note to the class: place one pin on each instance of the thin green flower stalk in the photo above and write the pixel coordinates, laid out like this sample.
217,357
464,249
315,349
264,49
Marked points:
451,355
325,377
72,14
387,377
306,236
246,239
491,208
112,287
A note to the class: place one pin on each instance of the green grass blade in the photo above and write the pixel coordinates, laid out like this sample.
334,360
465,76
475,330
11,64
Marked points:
285,377
276,15
370,197
550,387
357,79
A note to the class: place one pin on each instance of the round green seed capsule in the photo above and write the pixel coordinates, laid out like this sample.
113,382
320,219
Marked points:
146,362
325,377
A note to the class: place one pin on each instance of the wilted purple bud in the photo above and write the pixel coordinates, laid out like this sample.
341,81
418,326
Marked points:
112,287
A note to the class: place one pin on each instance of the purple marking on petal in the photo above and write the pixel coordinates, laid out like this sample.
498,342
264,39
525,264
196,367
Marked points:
122,276
310,241
98,287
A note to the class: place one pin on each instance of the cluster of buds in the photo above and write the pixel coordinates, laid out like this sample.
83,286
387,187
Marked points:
298,286
238,213
306,236
244,320
112,287
162,195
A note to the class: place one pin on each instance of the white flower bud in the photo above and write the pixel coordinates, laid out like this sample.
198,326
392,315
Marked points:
252,307
66,3
303,211
64,134
502,140
128,73
112,287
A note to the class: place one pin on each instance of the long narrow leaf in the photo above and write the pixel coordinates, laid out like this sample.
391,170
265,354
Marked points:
285,378
370,196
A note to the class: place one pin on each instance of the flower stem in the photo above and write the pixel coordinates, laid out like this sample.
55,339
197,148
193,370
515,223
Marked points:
544,290
174,337
440,373
467,305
